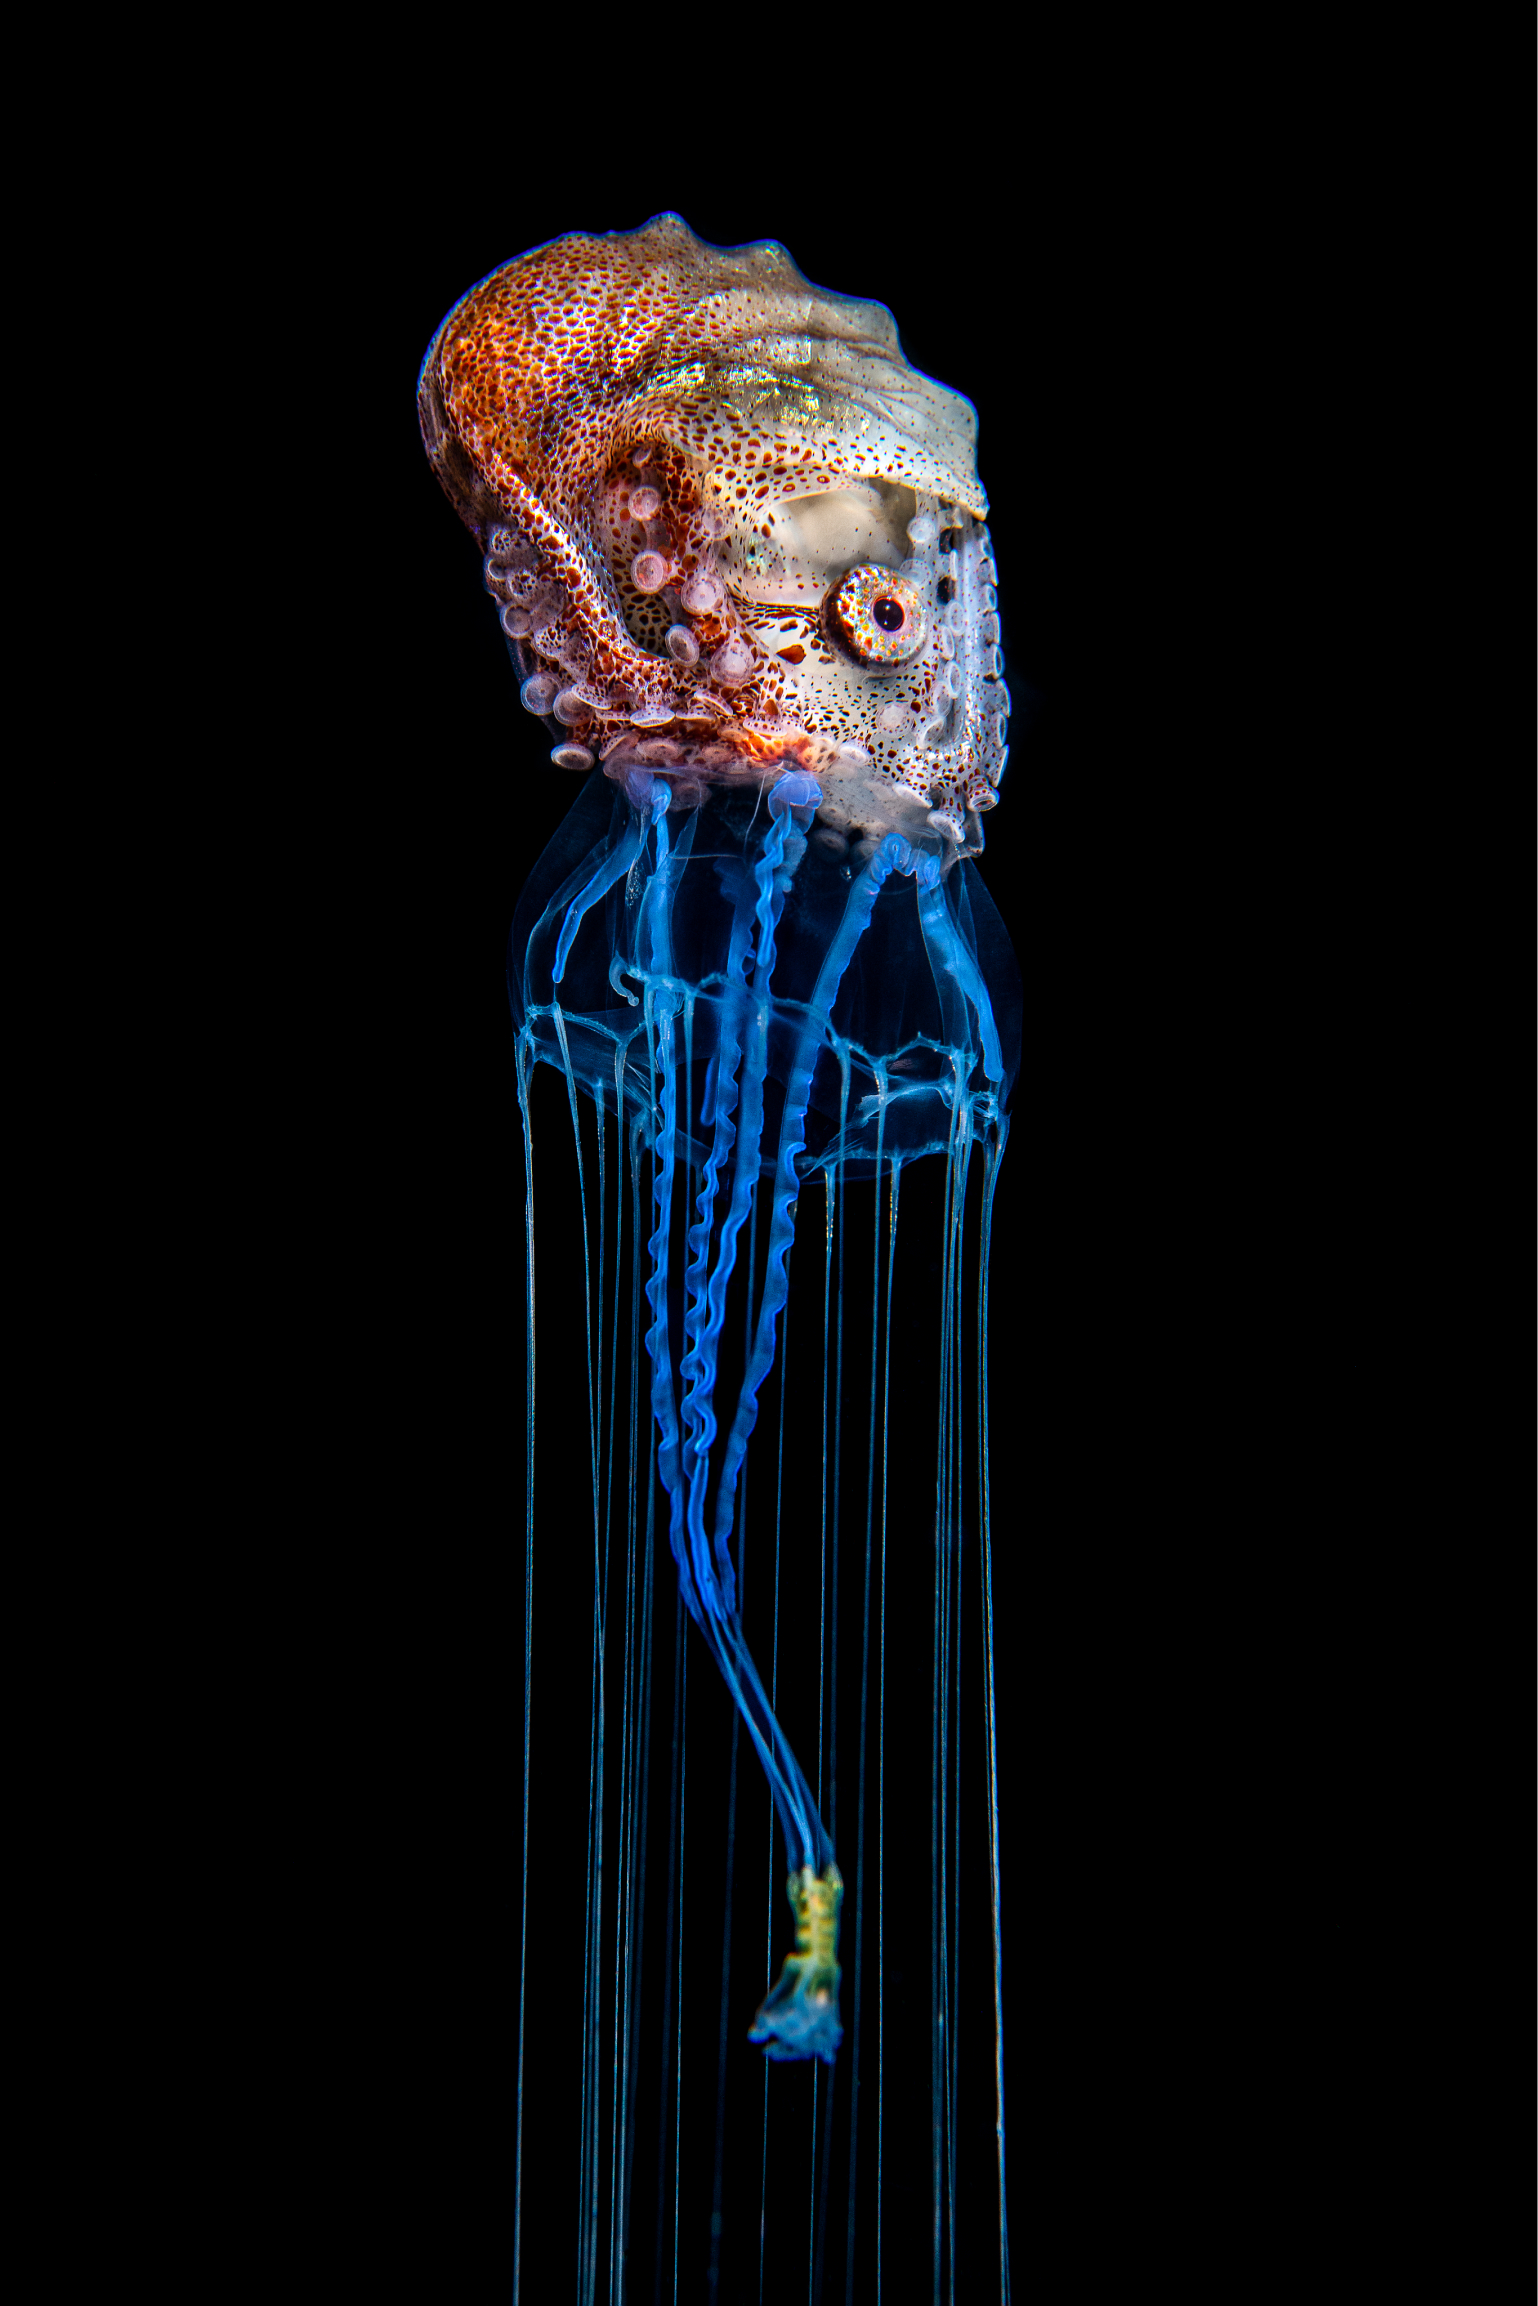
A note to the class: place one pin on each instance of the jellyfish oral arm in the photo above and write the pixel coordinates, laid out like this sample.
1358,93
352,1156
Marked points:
891,856
801,2017
699,1364
709,1584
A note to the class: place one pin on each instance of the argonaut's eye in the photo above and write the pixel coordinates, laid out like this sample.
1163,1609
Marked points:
879,614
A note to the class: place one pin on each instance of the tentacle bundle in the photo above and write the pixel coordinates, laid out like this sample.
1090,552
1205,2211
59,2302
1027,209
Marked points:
763,1008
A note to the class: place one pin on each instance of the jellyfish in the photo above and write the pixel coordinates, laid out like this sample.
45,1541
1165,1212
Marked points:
738,550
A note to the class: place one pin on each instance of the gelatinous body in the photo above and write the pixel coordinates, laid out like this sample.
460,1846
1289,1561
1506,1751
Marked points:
764,1010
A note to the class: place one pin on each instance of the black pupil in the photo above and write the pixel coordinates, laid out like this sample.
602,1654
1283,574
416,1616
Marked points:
887,613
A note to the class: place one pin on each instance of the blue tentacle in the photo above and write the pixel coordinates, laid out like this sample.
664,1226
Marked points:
893,855
953,965
662,1005
806,1843
698,1367
613,868
718,1577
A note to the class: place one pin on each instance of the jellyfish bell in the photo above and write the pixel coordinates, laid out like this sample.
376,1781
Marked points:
738,549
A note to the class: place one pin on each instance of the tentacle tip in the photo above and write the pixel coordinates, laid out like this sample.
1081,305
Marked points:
799,2017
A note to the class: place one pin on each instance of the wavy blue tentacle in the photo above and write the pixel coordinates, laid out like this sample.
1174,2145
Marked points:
719,1577
708,1583
734,1109
662,1005
892,856
698,1367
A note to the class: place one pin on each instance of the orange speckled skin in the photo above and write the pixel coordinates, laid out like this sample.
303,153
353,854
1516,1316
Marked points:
748,402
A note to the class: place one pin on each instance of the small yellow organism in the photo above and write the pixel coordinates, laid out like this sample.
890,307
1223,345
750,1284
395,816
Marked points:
799,2016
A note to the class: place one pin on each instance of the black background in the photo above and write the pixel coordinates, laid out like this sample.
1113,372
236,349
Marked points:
1139,1214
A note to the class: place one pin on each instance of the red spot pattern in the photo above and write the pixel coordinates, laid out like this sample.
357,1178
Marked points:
716,365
